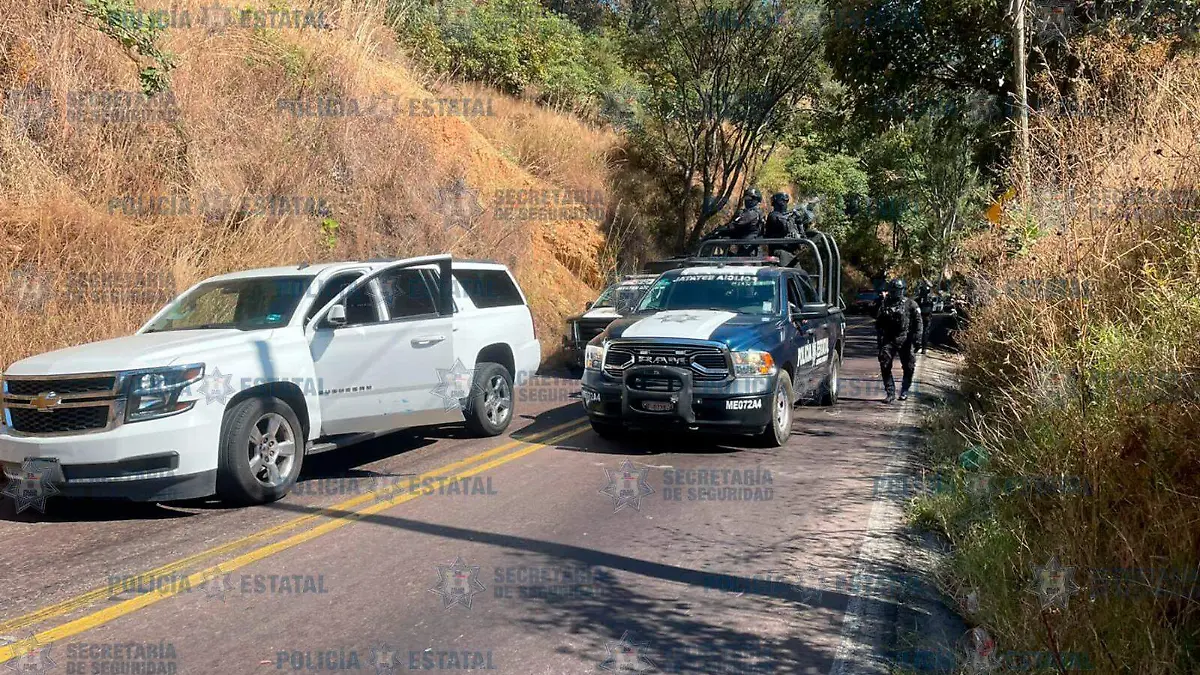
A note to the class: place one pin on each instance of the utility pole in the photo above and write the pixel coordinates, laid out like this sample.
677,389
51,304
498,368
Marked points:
1022,100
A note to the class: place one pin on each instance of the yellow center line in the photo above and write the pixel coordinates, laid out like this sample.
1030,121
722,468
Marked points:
103,616
99,594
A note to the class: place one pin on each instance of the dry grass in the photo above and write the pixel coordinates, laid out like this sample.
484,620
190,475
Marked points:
1098,388
384,178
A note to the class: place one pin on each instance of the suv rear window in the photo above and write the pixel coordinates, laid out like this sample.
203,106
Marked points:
489,288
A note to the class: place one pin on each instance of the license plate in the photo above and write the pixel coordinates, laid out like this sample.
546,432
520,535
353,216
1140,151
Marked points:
658,406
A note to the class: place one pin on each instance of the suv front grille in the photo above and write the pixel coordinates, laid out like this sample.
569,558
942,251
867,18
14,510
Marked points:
62,404
61,420
62,386
708,363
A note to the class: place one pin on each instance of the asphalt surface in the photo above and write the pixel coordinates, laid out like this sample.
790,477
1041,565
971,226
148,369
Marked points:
525,565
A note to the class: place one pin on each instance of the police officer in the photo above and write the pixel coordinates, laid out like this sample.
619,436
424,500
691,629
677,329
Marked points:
747,224
781,223
897,326
925,302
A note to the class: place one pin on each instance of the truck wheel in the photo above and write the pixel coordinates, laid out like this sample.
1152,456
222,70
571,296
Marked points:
828,393
780,427
261,453
490,405
608,430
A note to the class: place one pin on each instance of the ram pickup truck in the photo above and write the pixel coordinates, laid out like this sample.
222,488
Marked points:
609,306
716,345
227,388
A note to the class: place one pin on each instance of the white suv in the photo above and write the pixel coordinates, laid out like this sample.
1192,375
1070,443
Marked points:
227,388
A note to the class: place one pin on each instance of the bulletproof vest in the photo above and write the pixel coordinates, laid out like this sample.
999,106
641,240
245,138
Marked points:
779,225
893,318
926,304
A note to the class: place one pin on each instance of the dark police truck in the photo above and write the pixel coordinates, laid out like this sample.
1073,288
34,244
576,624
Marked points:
723,343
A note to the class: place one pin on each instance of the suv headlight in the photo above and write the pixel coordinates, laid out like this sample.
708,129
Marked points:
155,392
593,357
753,364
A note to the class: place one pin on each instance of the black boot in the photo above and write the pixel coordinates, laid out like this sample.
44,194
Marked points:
891,396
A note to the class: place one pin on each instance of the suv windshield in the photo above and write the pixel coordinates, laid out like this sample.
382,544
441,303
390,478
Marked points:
242,304
631,293
744,293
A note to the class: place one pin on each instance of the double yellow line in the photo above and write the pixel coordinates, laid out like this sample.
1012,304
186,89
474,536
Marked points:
385,499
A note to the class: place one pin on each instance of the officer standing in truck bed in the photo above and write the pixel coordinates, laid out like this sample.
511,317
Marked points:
897,328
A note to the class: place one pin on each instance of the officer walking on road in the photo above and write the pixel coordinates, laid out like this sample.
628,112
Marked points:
925,302
897,327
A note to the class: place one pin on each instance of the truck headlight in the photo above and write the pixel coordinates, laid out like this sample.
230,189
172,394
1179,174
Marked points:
593,357
753,364
156,392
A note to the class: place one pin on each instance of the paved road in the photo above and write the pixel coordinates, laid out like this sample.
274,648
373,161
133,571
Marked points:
508,556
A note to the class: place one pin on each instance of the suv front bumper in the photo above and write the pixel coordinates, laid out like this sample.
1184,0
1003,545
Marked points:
166,459
734,405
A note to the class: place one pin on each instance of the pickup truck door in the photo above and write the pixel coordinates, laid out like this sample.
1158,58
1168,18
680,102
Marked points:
383,350
811,322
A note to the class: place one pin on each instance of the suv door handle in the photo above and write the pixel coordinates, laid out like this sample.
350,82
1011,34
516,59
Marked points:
427,340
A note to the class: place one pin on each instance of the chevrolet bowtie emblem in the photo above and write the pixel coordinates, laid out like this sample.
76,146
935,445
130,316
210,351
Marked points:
46,401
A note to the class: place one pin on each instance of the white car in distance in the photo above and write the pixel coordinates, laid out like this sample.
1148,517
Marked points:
226,389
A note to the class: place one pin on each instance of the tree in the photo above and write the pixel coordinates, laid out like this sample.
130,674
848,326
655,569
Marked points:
724,79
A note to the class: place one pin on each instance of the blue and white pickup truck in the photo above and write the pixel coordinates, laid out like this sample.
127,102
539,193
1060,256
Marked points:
720,344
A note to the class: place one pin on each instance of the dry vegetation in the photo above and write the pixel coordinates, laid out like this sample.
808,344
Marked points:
1095,388
389,182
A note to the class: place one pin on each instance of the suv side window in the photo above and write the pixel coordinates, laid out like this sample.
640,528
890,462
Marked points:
406,293
332,287
489,288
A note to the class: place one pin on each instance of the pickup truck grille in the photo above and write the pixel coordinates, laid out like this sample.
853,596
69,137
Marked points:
62,420
709,363
63,404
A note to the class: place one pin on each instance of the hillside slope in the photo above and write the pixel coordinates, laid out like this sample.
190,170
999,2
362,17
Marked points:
109,204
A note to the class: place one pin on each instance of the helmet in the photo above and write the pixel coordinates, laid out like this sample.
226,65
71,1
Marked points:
780,200
897,287
752,194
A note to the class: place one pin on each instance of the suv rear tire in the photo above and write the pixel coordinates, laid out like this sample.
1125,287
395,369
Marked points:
489,408
780,427
261,451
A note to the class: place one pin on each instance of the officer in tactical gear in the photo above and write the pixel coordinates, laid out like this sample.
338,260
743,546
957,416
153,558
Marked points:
897,326
781,223
747,224
925,302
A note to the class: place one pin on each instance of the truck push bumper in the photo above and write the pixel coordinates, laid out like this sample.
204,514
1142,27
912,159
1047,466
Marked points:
665,397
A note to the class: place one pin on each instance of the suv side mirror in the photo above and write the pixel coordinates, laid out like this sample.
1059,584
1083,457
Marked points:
336,316
587,306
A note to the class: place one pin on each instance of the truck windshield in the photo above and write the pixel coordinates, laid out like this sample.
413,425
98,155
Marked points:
630,293
241,304
741,293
